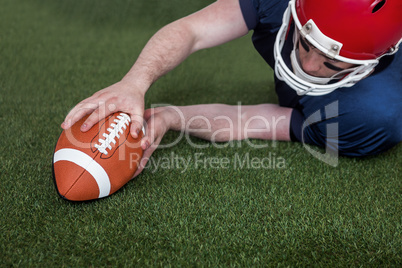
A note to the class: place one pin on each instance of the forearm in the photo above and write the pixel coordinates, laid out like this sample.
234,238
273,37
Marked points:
214,25
220,123
163,52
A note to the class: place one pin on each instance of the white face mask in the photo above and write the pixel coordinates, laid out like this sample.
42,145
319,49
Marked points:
298,70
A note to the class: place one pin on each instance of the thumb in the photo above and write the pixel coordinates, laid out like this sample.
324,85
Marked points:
154,132
137,123
148,145
149,135
144,160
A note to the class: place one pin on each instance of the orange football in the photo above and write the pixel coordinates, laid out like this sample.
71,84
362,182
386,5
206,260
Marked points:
95,164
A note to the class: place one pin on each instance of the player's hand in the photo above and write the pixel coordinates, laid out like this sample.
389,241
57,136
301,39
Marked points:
119,97
158,122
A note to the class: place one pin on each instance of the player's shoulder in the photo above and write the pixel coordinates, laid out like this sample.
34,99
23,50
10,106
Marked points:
386,78
263,14
268,7
264,8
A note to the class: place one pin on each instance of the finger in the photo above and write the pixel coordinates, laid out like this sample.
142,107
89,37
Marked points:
149,137
144,160
147,119
155,129
137,125
148,113
146,139
101,112
146,155
137,121
78,112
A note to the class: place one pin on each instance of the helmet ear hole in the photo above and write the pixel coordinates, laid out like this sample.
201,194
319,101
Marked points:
378,6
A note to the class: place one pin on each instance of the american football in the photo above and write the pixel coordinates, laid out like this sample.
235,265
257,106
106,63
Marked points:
95,164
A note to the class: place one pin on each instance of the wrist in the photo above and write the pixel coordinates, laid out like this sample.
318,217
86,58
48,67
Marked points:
173,118
135,84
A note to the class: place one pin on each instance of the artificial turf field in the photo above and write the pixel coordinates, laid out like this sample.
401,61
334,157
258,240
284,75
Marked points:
293,210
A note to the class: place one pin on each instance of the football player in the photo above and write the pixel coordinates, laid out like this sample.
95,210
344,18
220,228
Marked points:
334,62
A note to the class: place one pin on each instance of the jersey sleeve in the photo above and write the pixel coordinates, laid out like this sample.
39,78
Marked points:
249,13
263,14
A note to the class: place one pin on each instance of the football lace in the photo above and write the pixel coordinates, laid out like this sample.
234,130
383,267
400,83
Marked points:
120,124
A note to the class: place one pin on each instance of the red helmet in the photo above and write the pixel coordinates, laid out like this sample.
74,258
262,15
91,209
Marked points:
367,29
358,32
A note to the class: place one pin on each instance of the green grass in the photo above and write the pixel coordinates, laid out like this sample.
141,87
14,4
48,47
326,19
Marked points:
298,211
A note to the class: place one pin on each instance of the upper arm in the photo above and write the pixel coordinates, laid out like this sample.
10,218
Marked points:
216,24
